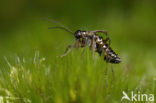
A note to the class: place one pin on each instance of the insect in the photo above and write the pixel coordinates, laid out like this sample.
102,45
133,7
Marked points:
96,43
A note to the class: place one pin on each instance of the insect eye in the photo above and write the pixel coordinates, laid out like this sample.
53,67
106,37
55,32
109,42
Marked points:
77,34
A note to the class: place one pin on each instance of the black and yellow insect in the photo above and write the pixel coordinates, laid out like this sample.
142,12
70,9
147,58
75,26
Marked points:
95,42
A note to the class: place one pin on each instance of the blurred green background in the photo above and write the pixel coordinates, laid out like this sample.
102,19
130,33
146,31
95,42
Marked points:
130,24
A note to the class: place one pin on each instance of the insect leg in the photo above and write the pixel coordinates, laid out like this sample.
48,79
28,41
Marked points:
106,75
109,41
113,72
70,47
102,31
76,45
106,71
107,52
84,43
93,45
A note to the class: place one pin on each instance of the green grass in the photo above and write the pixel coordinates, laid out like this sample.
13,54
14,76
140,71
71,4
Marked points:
31,70
77,78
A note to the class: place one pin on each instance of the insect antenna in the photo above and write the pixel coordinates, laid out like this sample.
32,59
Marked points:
61,26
